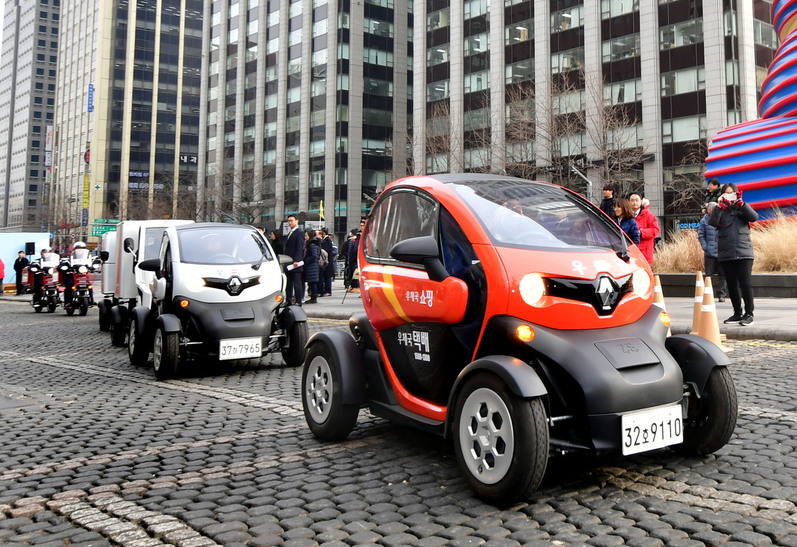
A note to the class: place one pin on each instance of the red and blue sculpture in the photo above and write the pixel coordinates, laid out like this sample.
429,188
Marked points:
760,156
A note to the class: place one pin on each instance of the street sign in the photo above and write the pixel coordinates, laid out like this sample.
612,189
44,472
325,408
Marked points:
100,220
114,220
99,229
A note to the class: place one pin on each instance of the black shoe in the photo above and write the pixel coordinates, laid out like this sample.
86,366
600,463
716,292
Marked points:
735,318
747,320
721,299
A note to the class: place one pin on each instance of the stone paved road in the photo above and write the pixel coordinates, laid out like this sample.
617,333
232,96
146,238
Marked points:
96,452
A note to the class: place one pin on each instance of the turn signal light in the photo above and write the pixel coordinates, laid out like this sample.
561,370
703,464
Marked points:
184,303
524,333
279,298
664,317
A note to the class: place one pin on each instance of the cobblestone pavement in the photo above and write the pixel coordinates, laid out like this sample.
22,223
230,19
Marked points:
95,452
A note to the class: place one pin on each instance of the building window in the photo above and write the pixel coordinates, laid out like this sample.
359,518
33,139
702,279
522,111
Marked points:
437,91
477,81
621,48
613,8
437,19
437,55
571,59
683,81
519,32
686,129
475,44
764,34
474,8
681,34
378,28
629,91
567,18
522,71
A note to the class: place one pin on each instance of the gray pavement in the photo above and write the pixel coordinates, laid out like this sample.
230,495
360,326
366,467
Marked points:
95,451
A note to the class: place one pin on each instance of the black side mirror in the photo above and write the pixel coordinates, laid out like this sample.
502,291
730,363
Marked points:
421,250
104,256
129,245
151,265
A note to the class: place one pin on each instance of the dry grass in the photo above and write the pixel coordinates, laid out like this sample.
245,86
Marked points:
775,250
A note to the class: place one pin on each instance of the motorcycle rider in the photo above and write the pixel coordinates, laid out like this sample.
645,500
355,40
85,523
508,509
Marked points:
80,257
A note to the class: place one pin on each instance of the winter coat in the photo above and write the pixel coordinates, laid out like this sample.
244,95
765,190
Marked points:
648,230
607,206
733,231
707,235
713,196
311,269
630,228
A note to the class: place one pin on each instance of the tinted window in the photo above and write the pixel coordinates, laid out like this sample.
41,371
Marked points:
400,215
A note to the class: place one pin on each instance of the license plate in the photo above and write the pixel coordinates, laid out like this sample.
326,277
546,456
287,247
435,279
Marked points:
651,429
240,348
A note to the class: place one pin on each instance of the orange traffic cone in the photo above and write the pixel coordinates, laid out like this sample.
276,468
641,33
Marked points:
698,304
709,324
658,298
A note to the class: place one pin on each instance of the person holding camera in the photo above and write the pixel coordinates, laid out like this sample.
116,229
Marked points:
732,217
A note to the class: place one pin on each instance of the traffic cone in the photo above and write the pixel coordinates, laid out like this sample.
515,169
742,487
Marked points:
698,304
658,298
709,324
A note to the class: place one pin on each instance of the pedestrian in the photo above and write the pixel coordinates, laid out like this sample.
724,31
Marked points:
352,272
707,235
312,252
647,223
2,275
344,254
19,266
294,247
713,192
624,215
329,271
732,217
275,238
608,202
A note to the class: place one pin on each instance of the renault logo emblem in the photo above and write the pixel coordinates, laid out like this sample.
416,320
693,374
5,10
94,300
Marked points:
606,293
234,285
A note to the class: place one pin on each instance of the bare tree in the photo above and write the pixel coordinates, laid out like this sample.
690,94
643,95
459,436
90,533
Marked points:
240,197
685,182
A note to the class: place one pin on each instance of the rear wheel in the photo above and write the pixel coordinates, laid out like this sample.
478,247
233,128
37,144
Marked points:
105,321
51,305
70,310
165,354
84,308
711,418
137,347
293,351
322,392
501,440
118,333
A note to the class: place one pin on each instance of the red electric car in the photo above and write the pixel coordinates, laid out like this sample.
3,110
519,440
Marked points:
515,318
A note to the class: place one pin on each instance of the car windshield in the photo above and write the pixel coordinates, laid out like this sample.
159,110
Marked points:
222,245
519,213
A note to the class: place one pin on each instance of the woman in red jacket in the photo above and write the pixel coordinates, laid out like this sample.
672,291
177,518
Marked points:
648,226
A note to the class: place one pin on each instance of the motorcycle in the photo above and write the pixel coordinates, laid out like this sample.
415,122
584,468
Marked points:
44,276
77,287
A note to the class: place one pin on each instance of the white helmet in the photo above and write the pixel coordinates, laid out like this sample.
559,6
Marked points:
80,245
45,249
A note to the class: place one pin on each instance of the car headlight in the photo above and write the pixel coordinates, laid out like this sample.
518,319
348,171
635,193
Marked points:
641,282
195,284
533,288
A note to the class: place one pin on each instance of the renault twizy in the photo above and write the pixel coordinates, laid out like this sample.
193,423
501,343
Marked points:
218,295
515,318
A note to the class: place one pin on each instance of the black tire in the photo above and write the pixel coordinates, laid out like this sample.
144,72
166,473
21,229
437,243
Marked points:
517,432
165,354
138,346
105,311
118,334
70,310
293,351
322,388
84,308
51,306
711,418
37,309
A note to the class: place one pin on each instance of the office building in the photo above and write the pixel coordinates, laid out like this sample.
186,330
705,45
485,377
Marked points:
127,121
307,108
27,100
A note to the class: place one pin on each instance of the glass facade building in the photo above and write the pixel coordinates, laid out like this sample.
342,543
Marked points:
28,64
127,128
307,108
605,91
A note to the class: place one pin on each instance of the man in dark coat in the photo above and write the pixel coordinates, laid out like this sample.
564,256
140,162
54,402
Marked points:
329,272
19,266
608,201
294,247
713,192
